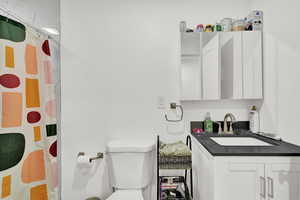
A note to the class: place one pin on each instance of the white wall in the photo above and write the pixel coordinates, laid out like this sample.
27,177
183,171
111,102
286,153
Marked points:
282,68
38,13
117,58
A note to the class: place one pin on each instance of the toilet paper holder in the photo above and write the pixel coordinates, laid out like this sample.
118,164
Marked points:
99,156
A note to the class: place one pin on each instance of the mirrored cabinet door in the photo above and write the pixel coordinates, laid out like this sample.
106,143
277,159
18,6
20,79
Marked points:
211,66
190,70
191,81
252,65
231,65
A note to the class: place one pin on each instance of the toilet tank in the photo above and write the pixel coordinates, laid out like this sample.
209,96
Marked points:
131,163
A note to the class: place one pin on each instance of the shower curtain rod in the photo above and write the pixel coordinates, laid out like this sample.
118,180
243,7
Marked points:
27,24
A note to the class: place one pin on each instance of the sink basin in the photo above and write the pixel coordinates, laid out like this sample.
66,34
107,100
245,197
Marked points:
239,141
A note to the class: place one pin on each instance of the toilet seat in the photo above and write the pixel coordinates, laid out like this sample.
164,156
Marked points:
126,195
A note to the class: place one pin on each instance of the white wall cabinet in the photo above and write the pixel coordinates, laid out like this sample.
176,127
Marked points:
247,178
228,64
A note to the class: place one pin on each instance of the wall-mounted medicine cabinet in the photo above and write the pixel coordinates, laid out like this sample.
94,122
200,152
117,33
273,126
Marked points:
221,65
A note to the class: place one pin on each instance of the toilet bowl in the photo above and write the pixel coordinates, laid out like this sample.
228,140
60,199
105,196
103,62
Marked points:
131,166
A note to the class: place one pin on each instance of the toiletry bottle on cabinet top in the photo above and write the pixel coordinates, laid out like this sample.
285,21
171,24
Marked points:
208,123
254,120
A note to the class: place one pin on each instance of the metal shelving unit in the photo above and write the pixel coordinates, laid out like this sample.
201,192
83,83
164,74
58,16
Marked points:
181,180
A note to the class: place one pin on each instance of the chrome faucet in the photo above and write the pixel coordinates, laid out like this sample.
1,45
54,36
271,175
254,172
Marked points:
233,119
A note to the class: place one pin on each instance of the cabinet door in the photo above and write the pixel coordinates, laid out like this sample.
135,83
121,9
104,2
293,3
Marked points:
191,84
283,181
244,181
203,173
231,65
211,66
190,44
252,64
190,69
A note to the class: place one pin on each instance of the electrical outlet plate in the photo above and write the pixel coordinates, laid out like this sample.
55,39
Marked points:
161,104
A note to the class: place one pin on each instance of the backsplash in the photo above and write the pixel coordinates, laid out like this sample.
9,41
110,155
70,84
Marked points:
239,125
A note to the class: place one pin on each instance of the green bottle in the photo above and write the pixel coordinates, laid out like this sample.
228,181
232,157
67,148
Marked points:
208,123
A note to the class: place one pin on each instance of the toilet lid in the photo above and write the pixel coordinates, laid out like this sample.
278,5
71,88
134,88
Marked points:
132,146
126,195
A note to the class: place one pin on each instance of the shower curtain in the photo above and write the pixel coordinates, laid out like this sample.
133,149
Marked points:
28,118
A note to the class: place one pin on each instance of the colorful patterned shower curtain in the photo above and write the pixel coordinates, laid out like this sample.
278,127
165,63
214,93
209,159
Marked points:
28,132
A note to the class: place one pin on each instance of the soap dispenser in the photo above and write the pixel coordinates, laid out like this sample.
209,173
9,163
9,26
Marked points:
208,123
254,120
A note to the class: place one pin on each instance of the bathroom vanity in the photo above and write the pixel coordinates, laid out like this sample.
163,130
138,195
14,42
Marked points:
248,167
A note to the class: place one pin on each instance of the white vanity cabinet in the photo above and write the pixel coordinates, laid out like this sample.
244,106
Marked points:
244,177
283,180
221,65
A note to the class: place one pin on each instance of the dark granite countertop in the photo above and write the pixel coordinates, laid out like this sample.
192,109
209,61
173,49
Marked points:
279,148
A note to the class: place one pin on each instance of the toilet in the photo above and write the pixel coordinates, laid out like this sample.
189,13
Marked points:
131,165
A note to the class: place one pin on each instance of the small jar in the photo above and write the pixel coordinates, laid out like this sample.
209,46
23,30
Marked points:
238,25
199,28
208,28
257,25
226,24
217,27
